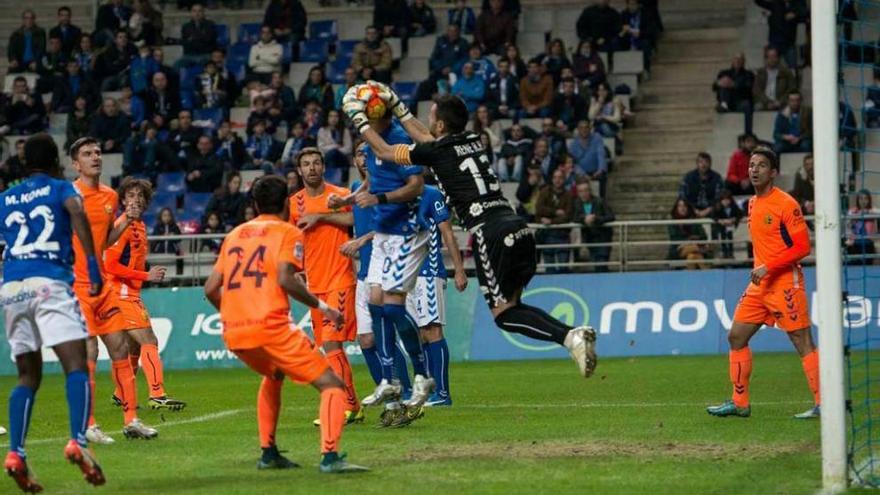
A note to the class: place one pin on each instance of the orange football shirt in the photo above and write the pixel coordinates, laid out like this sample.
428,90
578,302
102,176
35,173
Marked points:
774,221
100,205
254,309
126,260
326,268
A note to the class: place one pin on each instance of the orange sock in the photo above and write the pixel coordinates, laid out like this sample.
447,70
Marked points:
133,359
332,415
810,362
92,366
268,409
153,369
124,379
340,365
740,371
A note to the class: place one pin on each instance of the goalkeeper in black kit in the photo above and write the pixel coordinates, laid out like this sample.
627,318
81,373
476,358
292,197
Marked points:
505,250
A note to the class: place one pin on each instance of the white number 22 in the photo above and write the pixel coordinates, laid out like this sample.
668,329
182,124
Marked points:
42,242
470,165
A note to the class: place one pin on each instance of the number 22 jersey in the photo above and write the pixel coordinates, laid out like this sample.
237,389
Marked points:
37,231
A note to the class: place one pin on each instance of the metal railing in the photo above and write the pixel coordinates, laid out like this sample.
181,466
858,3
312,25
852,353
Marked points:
195,260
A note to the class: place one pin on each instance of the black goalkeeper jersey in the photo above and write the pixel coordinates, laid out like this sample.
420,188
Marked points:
464,174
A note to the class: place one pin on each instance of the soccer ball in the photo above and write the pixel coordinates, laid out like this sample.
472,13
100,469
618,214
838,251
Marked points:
375,107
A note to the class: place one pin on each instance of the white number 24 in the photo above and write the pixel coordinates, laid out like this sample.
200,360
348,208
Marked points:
470,165
42,243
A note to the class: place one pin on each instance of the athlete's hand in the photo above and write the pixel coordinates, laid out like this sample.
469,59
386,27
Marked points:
365,200
461,281
335,201
758,274
353,107
133,211
386,94
350,248
156,274
335,317
307,221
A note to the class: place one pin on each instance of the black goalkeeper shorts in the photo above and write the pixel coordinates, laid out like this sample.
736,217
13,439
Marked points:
505,254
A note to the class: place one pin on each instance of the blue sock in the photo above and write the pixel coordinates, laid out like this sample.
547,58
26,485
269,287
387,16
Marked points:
78,399
437,354
401,370
371,356
409,335
384,344
21,405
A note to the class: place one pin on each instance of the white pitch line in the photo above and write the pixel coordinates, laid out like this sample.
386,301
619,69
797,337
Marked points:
197,419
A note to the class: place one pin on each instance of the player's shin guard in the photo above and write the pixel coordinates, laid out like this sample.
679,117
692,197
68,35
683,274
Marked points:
372,359
93,365
740,372
810,363
268,410
152,365
340,365
78,405
383,333
401,372
409,335
332,418
21,405
437,354
124,379
134,359
532,322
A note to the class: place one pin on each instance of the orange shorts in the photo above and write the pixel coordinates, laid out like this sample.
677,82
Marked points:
102,312
134,314
783,307
343,300
292,355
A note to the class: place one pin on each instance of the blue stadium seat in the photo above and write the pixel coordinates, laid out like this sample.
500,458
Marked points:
336,70
406,91
187,99
159,202
345,49
222,35
195,203
314,51
239,52
249,32
322,30
286,53
208,118
189,76
171,183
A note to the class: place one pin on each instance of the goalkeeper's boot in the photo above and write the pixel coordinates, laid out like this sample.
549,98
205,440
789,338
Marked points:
811,413
728,408
333,463
351,417
421,390
165,402
137,429
96,435
436,400
85,460
384,391
272,459
581,345
17,469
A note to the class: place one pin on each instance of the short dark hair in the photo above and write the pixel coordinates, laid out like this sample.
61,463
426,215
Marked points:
705,156
79,143
769,154
63,8
270,194
453,112
134,183
41,153
19,79
310,150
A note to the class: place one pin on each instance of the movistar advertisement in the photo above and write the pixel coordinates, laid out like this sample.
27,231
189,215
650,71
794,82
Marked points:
636,314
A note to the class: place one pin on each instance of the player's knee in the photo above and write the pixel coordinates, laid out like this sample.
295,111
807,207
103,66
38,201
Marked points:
367,340
330,346
432,333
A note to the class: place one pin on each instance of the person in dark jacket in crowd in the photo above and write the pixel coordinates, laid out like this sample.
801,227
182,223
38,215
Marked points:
587,65
228,202
112,66
288,21
495,28
727,215
111,127
421,18
27,44
198,36
502,92
112,16
65,31
568,107
593,213
71,86
701,187
25,112
782,23
204,171
601,23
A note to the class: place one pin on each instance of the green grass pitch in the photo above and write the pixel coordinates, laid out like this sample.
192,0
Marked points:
637,426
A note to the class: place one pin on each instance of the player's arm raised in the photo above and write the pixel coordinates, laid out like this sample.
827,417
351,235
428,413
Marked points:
83,232
413,187
455,253
414,127
335,201
295,288
112,264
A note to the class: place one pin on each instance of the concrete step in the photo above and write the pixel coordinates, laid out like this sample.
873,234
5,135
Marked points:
658,118
683,92
707,35
699,48
661,187
684,71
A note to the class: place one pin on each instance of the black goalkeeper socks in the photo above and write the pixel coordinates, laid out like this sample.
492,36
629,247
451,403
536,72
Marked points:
532,322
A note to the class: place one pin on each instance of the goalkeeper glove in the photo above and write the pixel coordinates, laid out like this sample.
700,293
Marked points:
353,107
397,106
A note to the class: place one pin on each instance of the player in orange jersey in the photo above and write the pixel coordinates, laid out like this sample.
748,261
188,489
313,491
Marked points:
256,271
329,273
125,262
776,295
101,313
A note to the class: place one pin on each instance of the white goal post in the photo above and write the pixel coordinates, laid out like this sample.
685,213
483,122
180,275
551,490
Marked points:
828,246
